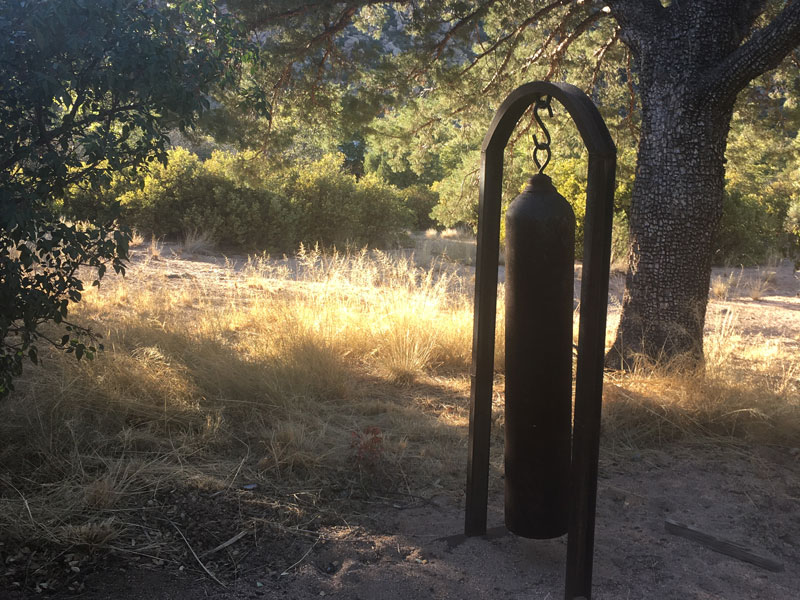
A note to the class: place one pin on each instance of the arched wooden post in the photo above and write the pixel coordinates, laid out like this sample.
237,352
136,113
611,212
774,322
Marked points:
591,338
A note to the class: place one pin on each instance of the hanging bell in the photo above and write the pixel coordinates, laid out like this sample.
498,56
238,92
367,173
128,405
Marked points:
539,272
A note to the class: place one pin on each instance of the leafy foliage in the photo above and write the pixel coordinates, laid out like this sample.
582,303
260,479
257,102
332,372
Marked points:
419,82
761,185
245,202
89,88
184,196
792,225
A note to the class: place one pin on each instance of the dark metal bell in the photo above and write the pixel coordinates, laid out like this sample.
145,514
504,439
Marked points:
540,255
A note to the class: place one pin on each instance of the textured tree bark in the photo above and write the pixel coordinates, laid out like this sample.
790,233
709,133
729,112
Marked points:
691,60
676,208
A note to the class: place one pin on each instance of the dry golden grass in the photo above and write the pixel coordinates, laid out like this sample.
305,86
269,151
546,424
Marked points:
748,391
341,368
722,287
268,374
197,242
758,285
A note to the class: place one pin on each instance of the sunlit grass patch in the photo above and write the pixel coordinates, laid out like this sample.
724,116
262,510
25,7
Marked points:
324,371
264,374
747,392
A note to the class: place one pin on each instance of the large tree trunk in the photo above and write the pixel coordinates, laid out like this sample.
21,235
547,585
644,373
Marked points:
675,210
678,191
692,59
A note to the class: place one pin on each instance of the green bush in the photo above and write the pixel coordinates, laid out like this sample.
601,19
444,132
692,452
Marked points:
241,203
97,201
792,226
332,207
420,200
748,232
184,196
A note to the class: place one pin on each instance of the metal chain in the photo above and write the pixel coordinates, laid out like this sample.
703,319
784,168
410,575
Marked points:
542,102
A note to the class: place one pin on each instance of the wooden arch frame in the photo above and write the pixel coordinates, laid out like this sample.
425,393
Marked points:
591,337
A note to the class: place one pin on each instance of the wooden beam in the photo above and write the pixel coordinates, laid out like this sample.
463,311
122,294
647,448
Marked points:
723,546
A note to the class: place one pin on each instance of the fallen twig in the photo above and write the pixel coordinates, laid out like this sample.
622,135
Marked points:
197,558
227,543
286,572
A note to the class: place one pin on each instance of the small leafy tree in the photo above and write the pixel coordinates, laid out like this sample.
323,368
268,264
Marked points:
89,88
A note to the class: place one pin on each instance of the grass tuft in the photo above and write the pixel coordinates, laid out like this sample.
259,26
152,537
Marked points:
197,242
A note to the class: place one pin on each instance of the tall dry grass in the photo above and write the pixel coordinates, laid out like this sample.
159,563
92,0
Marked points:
748,391
326,372
268,373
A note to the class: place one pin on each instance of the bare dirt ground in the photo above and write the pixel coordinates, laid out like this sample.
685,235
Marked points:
395,551
390,546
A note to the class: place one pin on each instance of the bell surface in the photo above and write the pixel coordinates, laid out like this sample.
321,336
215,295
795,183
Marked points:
540,256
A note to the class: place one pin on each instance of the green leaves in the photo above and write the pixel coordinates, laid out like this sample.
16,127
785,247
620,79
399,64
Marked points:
89,89
244,201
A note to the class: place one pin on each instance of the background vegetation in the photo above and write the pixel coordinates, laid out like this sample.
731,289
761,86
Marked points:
244,202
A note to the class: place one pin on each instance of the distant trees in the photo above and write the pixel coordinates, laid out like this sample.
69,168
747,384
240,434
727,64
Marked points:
89,88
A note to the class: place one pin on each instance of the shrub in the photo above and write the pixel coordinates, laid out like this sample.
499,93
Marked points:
748,231
186,196
792,226
420,200
331,207
238,201
97,201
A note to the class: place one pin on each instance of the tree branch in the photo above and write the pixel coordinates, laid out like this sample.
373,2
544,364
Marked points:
514,35
765,49
561,49
631,95
309,7
600,53
345,17
439,48
287,14
557,32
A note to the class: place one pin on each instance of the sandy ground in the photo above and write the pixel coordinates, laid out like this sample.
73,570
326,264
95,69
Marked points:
748,497
396,547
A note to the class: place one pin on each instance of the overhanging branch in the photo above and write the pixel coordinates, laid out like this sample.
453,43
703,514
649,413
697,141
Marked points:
561,49
600,54
514,35
765,49
464,21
